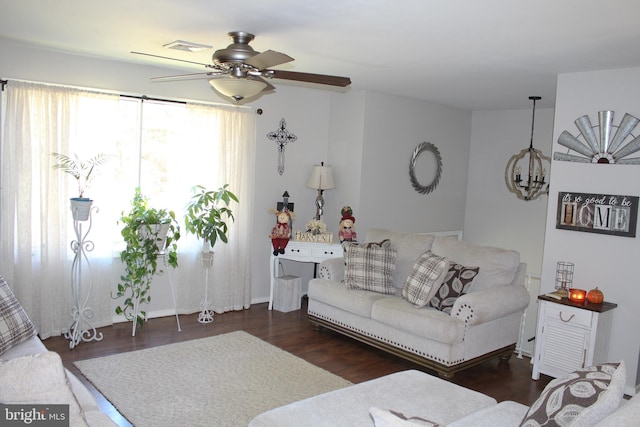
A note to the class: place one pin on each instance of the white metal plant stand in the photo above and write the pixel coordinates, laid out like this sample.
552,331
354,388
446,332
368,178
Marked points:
206,315
173,297
81,328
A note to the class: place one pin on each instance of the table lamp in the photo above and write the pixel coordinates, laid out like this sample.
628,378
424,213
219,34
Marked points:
321,179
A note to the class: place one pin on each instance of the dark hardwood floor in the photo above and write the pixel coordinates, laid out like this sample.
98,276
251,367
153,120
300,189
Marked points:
291,331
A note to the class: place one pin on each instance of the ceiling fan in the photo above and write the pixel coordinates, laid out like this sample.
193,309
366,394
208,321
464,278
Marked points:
239,72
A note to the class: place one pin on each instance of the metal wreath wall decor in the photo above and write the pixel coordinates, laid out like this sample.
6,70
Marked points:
421,148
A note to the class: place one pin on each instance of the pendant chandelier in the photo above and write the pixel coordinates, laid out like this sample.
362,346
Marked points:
532,183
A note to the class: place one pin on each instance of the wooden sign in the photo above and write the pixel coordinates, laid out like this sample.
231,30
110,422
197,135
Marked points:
597,213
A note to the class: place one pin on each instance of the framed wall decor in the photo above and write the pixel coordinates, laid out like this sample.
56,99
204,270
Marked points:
597,213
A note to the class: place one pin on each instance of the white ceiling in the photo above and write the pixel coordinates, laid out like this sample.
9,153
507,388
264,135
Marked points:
472,54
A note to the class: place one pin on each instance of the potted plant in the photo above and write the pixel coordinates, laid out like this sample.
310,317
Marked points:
147,232
83,172
208,213
206,216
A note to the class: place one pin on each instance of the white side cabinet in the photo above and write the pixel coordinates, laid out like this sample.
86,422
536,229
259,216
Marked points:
570,336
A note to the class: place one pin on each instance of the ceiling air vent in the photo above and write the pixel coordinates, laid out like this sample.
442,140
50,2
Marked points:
186,46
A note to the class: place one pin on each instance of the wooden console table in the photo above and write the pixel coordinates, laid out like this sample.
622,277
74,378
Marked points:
302,252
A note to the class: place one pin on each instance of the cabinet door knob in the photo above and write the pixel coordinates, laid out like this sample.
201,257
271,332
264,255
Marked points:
569,319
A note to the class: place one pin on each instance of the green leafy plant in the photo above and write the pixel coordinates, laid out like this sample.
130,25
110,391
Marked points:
208,212
144,241
81,169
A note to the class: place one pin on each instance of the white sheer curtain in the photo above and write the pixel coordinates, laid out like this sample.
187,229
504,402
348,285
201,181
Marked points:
220,142
179,146
36,227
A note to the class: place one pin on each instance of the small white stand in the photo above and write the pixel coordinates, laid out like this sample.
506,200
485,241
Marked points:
523,319
206,315
81,328
173,296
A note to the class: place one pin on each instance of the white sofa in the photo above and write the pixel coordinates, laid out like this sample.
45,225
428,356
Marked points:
411,398
483,323
32,375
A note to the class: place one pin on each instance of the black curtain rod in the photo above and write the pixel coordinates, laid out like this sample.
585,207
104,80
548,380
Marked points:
3,84
146,98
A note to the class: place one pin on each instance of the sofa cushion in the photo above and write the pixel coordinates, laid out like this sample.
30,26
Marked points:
498,267
369,266
38,379
409,246
456,283
15,325
582,398
421,322
338,295
425,278
409,392
627,414
506,413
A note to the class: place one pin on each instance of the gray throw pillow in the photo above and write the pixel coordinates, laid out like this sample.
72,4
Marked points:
369,266
425,278
15,325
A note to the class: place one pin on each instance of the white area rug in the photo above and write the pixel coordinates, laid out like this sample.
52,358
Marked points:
224,380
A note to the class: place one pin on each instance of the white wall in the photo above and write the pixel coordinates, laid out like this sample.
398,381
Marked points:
394,126
600,260
494,216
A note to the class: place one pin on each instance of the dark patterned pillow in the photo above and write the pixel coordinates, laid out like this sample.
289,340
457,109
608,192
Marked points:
425,278
15,325
457,283
369,266
582,398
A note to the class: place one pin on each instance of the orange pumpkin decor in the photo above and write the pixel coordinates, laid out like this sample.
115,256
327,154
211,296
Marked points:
595,296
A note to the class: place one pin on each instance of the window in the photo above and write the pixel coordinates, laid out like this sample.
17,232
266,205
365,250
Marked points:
164,148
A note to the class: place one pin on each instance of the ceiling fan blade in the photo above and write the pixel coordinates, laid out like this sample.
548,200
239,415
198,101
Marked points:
268,58
190,76
172,59
310,78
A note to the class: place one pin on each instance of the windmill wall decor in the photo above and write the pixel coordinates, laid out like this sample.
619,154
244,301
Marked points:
598,144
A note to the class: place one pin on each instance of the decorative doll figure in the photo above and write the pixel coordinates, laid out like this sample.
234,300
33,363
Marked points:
281,232
346,229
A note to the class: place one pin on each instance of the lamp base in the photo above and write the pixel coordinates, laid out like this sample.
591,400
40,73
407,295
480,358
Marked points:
319,205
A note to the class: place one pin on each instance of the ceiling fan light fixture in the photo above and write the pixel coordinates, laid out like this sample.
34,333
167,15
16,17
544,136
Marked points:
237,89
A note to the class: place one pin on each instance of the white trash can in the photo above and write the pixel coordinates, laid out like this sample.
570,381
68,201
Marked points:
287,294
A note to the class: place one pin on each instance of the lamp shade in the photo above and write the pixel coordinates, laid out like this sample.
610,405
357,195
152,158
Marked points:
236,88
321,178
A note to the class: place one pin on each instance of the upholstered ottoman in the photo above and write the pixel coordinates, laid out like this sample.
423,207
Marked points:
412,393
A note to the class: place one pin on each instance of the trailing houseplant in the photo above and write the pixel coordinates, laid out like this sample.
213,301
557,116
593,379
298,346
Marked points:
208,212
147,232
82,170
